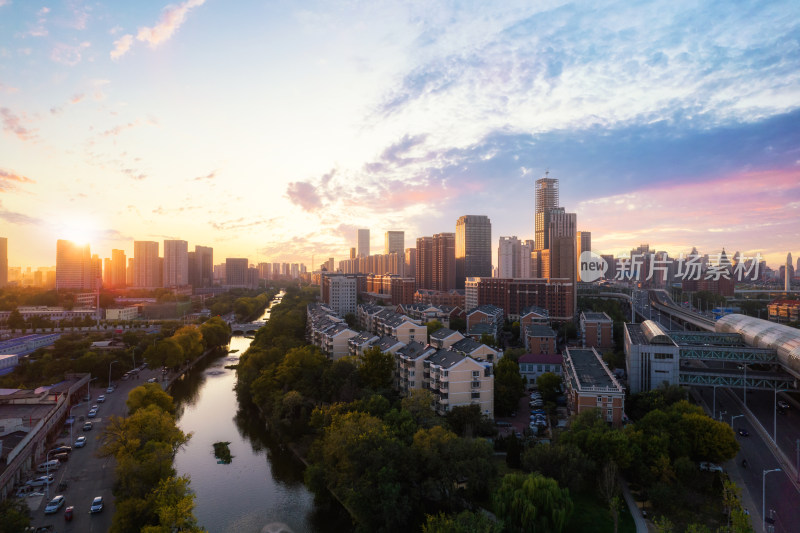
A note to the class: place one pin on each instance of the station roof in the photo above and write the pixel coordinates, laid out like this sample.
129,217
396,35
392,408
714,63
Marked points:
785,340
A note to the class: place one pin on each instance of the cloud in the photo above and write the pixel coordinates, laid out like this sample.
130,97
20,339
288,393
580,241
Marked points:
13,124
17,218
8,180
134,174
304,194
242,223
121,46
67,54
172,17
209,176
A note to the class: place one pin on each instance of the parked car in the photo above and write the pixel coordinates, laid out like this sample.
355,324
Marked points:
61,449
40,481
97,505
710,467
80,442
101,398
87,426
54,505
62,457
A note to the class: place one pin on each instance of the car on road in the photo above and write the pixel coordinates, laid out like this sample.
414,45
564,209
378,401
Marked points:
783,404
743,432
40,481
101,398
62,457
151,380
68,513
92,413
54,505
80,442
109,390
87,426
97,505
61,449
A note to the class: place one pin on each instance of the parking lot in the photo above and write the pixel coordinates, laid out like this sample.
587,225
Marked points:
85,474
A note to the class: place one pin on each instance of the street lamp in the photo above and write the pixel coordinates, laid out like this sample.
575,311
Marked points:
745,383
734,417
764,497
721,415
109,372
71,426
47,472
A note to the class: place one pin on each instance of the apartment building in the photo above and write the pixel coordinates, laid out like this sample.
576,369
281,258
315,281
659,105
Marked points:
476,350
597,330
533,365
591,385
360,343
444,338
534,315
457,380
410,362
540,339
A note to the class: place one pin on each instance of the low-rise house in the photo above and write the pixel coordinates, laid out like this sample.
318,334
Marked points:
443,338
597,330
533,365
457,380
591,385
539,339
534,315
358,344
410,361
476,350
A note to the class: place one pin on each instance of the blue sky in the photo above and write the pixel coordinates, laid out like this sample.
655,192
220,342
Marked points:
273,130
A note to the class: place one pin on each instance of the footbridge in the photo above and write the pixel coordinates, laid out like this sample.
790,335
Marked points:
247,327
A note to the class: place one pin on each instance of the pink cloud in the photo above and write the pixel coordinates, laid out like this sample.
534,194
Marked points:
752,211
171,19
13,124
304,194
121,46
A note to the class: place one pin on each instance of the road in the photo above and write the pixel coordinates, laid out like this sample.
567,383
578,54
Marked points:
87,475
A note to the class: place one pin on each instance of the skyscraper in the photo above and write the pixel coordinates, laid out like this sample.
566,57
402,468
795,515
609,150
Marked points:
444,261
546,199
236,272
363,243
73,266
787,282
395,242
204,263
119,267
424,263
176,263
473,248
583,241
145,266
508,257
3,261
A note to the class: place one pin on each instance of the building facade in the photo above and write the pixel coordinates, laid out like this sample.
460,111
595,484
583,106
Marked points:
591,385
73,266
473,248
395,242
363,242
146,273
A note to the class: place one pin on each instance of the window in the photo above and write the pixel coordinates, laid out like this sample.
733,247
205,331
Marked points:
476,373
609,414
662,356
476,395
599,400
476,384
539,368
444,373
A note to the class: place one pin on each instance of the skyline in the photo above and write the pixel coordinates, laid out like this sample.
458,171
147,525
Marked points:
290,128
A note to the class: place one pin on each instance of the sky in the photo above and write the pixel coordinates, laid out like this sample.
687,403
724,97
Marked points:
273,130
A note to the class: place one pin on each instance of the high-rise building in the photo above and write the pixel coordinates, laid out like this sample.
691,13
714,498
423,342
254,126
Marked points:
395,242
410,266
176,263
204,263
787,282
363,243
107,270
119,264
146,272
352,253
236,272
473,248
444,261
129,274
424,263
546,199
73,266
508,257
3,261
583,240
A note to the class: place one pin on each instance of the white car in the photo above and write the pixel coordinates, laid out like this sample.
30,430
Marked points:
54,505
101,398
80,442
97,505
109,390
40,481
710,467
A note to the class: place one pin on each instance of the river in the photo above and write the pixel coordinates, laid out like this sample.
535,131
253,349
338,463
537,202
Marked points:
262,489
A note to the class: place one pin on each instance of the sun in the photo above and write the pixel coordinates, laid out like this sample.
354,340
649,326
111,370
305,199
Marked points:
79,231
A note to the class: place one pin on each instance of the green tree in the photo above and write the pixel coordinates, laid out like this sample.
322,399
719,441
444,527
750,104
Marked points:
463,522
149,394
532,503
216,332
469,421
190,340
173,501
508,386
549,384
564,462
15,320
420,405
434,326
14,516
376,369
458,324
488,340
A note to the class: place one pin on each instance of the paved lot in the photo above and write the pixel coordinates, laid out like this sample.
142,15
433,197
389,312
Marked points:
86,474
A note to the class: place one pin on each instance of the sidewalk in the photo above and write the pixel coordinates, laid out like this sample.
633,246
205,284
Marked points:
636,513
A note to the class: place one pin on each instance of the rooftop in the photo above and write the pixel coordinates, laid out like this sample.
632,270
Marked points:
466,345
537,330
590,371
446,358
596,317
413,349
387,343
542,358
442,333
